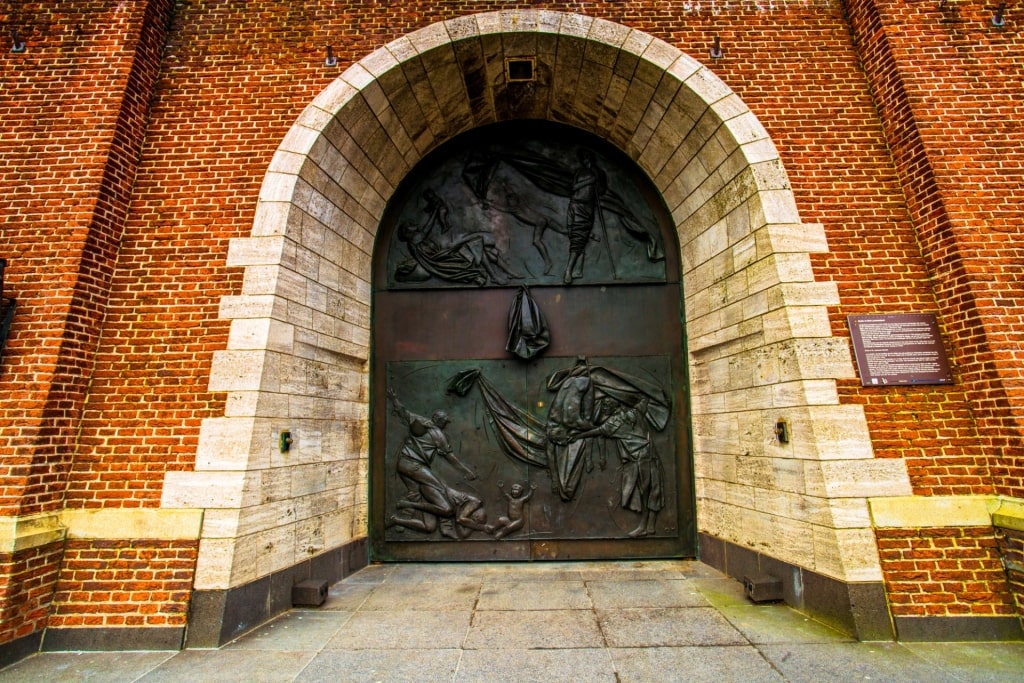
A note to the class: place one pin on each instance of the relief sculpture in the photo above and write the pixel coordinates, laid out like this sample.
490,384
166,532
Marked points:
431,503
550,213
595,415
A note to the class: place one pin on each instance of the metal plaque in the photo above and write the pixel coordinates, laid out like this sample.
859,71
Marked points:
903,348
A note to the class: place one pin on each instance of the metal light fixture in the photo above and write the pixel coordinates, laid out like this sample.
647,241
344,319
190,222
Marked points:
716,49
17,44
998,19
331,59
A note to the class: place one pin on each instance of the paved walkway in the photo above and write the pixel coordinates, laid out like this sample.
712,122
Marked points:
620,622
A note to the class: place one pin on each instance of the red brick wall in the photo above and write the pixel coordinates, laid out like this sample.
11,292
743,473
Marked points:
1011,547
952,114
27,580
72,118
124,583
944,572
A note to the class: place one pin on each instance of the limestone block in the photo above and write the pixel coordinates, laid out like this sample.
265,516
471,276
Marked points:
803,294
755,471
336,528
576,25
287,162
228,443
261,518
209,489
239,371
827,432
804,393
849,513
261,306
858,478
747,128
342,474
309,538
336,95
758,150
429,37
261,333
299,139
222,522
608,32
814,358
795,322
739,495
378,62
271,218
213,566
275,549
271,485
312,118
789,474
461,28
781,504
789,540
308,479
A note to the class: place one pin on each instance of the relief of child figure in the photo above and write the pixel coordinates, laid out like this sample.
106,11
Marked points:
516,501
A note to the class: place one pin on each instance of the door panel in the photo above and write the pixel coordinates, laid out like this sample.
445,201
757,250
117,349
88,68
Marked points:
581,451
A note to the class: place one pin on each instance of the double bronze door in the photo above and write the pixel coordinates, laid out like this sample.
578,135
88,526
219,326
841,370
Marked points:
580,452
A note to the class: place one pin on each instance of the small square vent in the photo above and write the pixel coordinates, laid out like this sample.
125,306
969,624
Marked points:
520,69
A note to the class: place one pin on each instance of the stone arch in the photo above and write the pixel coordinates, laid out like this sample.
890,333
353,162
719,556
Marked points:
759,337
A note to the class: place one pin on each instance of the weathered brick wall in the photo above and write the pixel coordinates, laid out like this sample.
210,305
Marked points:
944,572
72,118
27,580
124,583
940,77
1011,548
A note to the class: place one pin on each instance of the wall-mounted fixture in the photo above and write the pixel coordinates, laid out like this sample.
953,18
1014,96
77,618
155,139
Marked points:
999,19
331,59
17,44
285,441
716,49
782,430
6,310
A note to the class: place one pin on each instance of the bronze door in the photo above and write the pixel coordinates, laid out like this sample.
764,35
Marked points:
528,378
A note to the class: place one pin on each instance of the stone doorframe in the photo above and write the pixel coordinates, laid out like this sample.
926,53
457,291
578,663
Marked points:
759,337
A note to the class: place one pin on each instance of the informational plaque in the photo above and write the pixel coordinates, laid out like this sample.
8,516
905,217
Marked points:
902,348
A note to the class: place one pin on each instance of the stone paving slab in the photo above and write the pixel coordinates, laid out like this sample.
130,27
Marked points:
534,595
875,662
429,596
629,622
77,667
294,631
552,629
667,627
976,662
383,666
764,624
227,666
408,630
590,665
624,593
713,664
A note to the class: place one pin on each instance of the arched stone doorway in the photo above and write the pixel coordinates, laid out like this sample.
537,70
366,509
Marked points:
760,344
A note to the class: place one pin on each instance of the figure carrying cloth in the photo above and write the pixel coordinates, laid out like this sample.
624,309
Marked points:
426,492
